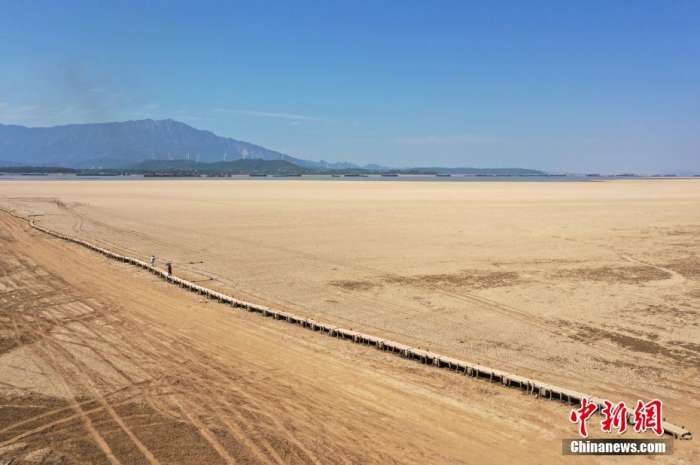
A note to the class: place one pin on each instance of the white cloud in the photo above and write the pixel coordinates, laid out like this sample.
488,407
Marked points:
195,118
271,114
145,111
38,115
28,114
442,140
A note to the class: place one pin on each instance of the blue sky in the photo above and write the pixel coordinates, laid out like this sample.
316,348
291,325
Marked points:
563,86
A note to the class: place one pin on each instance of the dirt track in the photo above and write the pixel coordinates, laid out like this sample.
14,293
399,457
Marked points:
159,374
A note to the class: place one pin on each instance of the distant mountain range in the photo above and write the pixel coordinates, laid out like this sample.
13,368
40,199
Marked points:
127,144
122,145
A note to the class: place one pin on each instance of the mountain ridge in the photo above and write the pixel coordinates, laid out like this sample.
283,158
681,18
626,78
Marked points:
123,144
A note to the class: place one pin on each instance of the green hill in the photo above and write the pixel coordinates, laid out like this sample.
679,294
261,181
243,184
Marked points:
228,167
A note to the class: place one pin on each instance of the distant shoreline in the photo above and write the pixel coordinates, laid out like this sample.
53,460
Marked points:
338,178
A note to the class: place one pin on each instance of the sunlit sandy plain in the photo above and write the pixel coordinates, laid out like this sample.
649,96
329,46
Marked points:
593,286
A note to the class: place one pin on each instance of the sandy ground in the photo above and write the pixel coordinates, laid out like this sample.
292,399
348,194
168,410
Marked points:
592,286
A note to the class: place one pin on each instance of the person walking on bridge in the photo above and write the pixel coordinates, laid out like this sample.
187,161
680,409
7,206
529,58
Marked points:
153,260
170,269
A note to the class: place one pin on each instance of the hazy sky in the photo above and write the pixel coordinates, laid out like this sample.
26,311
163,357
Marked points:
563,86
